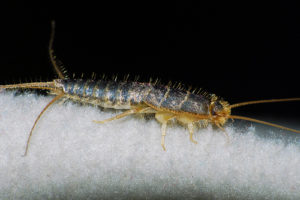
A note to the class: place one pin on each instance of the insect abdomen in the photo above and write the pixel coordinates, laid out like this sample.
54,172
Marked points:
124,95
108,94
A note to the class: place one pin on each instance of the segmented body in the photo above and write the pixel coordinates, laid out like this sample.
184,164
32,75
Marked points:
126,95
166,102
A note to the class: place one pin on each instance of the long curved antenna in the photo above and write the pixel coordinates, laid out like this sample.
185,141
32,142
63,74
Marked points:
263,122
37,119
61,72
263,101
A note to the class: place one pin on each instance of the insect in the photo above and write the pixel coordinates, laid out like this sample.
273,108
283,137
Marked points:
166,102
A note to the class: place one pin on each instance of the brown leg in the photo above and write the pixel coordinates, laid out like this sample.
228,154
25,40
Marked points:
163,118
189,122
191,130
124,114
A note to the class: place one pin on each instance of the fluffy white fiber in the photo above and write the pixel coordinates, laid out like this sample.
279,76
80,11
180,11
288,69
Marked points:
70,157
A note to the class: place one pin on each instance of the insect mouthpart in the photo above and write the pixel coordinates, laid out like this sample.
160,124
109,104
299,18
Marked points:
220,111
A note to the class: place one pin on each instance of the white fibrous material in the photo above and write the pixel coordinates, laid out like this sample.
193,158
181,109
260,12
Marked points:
71,157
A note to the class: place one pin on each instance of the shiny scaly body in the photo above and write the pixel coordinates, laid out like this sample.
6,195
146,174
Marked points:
126,95
166,102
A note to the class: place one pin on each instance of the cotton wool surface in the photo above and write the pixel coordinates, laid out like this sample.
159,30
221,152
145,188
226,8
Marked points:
71,157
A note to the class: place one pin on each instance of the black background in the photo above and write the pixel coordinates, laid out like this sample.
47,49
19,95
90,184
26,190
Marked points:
239,51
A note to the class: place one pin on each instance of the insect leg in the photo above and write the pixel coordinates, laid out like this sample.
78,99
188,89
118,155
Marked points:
189,122
163,118
191,130
126,113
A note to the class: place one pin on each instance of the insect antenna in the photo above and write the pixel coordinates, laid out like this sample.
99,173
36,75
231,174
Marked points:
263,101
263,122
260,121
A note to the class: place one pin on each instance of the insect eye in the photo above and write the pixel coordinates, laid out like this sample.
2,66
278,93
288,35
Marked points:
217,108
